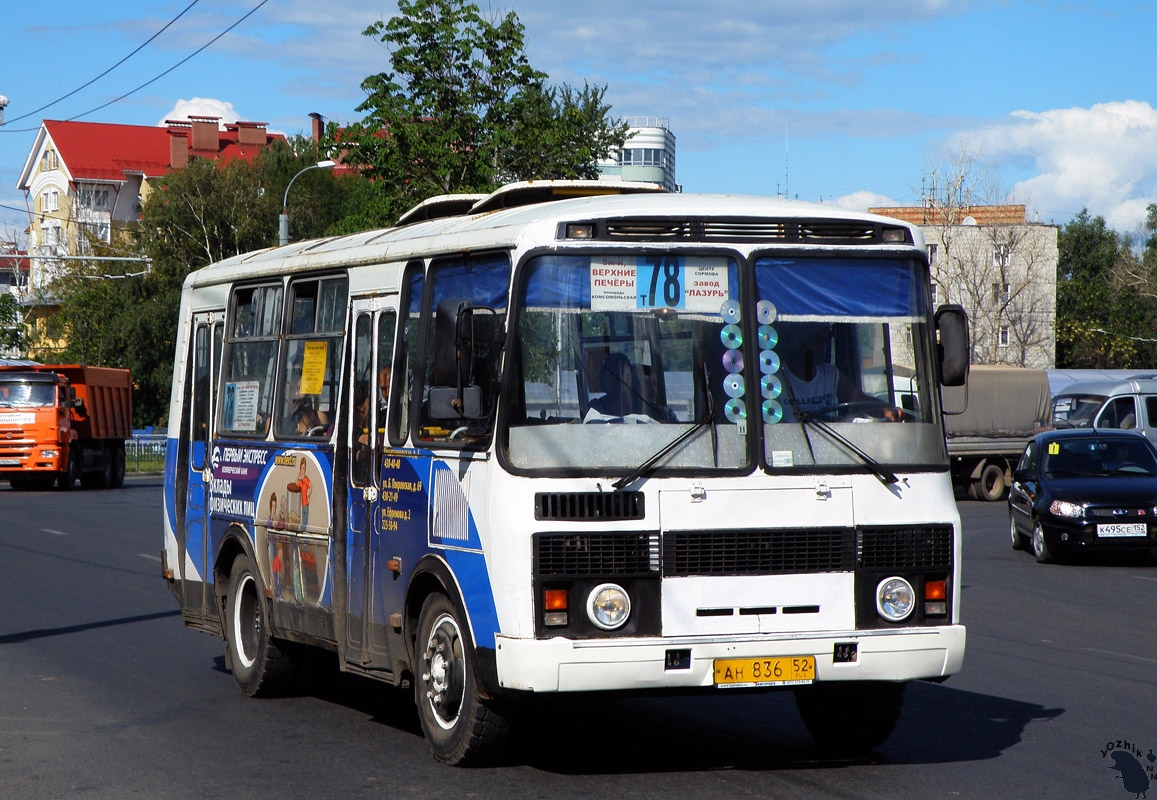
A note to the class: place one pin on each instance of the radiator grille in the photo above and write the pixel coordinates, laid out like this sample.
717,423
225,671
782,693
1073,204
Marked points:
905,548
758,552
583,555
582,506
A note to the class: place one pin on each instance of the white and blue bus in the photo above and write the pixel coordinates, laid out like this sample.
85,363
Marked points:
537,441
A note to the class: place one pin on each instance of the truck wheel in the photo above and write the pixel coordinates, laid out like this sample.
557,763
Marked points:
460,726
118,467
850,716
990,487
259,666
67,479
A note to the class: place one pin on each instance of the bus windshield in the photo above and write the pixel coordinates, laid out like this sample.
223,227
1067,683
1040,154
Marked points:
617,356
842,342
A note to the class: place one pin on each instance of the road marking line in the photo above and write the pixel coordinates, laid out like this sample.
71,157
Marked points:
149,556
1129,656
54,533
1144,578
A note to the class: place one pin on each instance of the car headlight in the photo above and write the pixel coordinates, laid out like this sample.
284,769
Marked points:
1063,508
608,606
895,599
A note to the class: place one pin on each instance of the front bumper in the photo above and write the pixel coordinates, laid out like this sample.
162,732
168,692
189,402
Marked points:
1069,533
568,665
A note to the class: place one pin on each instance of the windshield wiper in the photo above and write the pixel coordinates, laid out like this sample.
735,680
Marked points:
674,444
886,476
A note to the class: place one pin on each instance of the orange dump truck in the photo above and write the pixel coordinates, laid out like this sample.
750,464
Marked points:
63,424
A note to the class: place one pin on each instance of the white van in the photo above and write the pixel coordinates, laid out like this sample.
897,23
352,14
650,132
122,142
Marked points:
1127,404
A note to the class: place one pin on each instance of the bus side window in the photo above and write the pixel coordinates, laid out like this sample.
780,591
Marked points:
467,299
387,323
308,388
362,443
249,367
402,371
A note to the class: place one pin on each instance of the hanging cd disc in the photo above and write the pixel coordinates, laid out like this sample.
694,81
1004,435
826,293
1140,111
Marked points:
735,410
768,362
733,361
733,386
730,312
772,412
731,336
765,312
770,386
768,338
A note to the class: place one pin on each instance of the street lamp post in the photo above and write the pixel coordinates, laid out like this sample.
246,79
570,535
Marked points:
283,218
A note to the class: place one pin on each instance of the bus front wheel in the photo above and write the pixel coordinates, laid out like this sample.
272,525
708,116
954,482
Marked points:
258,664
850,716
461,727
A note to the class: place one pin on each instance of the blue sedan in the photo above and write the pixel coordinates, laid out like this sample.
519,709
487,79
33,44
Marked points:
1084,489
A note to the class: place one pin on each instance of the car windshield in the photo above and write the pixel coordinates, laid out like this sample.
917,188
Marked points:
1076,410
27,395
1099,457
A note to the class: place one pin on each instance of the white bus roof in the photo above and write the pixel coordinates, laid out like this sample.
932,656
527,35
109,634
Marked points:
656,219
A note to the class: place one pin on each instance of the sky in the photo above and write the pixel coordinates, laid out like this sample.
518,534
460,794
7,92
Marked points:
846,102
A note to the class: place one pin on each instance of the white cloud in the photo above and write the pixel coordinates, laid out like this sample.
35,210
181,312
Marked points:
203,107
862,201
1103,158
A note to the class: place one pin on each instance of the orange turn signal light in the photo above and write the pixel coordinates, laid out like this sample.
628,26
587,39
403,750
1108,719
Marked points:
935,590
554,599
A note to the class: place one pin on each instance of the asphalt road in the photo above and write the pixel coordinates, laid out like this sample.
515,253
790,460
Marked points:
104,694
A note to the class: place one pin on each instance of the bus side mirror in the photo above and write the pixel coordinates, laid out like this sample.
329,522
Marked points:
467,341
952,327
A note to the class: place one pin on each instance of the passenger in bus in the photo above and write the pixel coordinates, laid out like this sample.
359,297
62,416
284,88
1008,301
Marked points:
622,398
384,387
815,385
309,420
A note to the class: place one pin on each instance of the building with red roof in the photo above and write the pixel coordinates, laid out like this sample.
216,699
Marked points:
83,180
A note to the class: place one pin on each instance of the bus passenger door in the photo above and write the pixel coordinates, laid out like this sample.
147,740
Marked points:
373,322
205,365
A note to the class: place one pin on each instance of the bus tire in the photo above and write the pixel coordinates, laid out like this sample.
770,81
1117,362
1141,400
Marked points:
850,716
461,727
259,666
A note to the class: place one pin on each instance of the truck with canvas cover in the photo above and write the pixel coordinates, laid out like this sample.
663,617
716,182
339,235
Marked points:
1006,406
63,424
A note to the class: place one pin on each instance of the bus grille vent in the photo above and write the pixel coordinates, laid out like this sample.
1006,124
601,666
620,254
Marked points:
837,232
581,555
758,552
905,548
747,229
588,506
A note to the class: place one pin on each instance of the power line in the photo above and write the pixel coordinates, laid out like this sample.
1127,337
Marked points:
110,69
152,80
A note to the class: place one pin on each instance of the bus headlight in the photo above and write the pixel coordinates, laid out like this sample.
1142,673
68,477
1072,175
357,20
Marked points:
895,599
608,606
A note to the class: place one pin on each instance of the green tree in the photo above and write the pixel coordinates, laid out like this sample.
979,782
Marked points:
11,326
462,110
1105,308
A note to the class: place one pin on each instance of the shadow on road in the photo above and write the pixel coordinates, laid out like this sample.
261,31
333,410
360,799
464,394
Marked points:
600,734
40,633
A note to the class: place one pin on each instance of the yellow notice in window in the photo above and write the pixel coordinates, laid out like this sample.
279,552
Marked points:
313,368
1054,448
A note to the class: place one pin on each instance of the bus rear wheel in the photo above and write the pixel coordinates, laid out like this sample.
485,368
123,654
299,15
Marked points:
461,727
850,716
259,666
